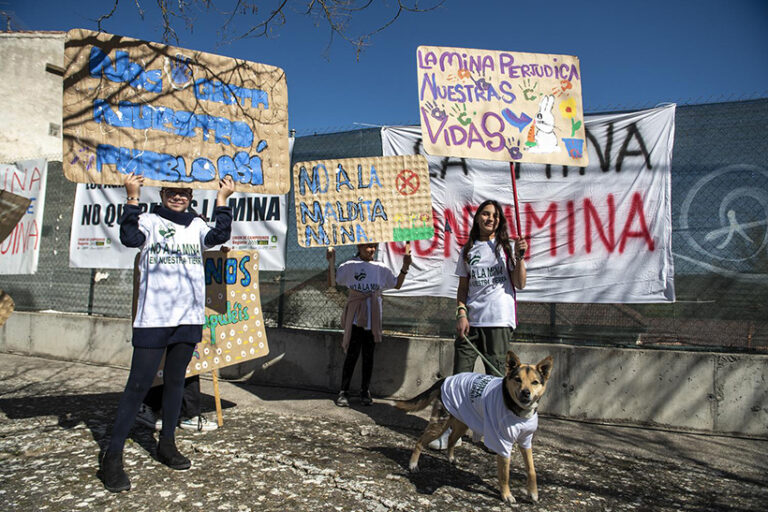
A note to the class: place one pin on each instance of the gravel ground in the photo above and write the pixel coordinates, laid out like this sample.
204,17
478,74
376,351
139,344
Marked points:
282,449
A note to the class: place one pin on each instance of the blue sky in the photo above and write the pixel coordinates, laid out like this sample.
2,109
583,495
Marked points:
633,54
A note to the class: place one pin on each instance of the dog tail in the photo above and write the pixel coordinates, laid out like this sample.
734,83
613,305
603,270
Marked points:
422,400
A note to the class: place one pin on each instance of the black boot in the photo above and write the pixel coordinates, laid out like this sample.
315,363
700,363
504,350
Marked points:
170,456
111,471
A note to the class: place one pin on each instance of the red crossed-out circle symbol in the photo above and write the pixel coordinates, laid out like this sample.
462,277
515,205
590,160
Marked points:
407,182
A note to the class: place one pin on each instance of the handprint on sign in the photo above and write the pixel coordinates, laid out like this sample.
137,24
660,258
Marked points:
513,147
462,74
564,86
88,157
461,115
529,91
179,71
436,111
481,83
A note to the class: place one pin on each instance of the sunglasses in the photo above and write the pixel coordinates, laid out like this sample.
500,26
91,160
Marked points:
176,192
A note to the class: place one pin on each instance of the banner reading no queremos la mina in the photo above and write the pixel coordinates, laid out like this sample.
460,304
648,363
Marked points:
19,252
173,115
600,234
507,106
259,223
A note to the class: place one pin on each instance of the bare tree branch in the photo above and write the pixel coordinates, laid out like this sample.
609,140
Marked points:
106,16
263,22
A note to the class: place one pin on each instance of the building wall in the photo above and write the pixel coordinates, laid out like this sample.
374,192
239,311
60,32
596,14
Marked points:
30,96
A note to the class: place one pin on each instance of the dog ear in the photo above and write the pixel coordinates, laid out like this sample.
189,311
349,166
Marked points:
512,361
545,367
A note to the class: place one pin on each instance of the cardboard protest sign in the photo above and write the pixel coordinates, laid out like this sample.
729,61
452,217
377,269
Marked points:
7,306
234,325
179,117
507,106
12,209
362,200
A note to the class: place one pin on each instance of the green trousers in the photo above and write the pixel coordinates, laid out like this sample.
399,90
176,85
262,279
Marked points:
492,342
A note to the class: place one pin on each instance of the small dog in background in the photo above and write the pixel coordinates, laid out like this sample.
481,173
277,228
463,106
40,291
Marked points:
503,410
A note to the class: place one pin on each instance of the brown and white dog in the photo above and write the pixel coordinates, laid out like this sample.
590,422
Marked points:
498,408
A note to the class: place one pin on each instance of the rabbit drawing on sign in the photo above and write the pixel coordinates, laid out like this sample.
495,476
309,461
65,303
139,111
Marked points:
546,140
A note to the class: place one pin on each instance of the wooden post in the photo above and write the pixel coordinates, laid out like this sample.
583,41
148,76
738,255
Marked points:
514,194
217,397
330,255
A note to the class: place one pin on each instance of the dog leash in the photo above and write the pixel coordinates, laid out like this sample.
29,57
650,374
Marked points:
486,361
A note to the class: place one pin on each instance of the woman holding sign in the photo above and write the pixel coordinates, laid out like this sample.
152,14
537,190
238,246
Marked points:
169,314
489,274
361,319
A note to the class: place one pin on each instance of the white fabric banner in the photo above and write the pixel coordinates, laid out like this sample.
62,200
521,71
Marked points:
20,251
600,234
259,224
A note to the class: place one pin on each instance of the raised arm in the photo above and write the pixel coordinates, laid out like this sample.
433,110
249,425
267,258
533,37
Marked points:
130,235
222,214
403,271
519,274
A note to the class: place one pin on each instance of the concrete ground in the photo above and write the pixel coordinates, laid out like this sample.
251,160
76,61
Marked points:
286,449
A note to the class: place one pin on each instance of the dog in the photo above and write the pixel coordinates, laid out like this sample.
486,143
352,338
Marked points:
503,410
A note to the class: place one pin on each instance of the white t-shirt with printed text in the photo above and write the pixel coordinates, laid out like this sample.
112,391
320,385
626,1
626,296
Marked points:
366,277
476,400
491,295
172,275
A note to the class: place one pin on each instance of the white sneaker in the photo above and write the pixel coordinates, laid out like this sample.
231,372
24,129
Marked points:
199,423
441,443
147,417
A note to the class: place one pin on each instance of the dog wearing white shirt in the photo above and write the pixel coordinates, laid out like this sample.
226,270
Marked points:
502,410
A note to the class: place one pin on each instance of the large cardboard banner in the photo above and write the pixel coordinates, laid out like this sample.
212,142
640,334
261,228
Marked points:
20,251
362,200
600,234
176,116
260,223
507,106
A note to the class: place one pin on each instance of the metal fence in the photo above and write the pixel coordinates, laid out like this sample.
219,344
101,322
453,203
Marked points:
722,294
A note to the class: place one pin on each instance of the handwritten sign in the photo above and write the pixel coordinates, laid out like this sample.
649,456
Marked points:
362,200
178,117
234,325
507,106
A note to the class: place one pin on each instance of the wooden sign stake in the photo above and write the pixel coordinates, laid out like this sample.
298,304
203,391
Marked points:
217,397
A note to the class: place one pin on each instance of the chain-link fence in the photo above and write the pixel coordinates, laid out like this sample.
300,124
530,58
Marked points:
718,169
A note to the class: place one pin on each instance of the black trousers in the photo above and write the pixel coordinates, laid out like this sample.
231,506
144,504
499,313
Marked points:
144,365
361,339
190,400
